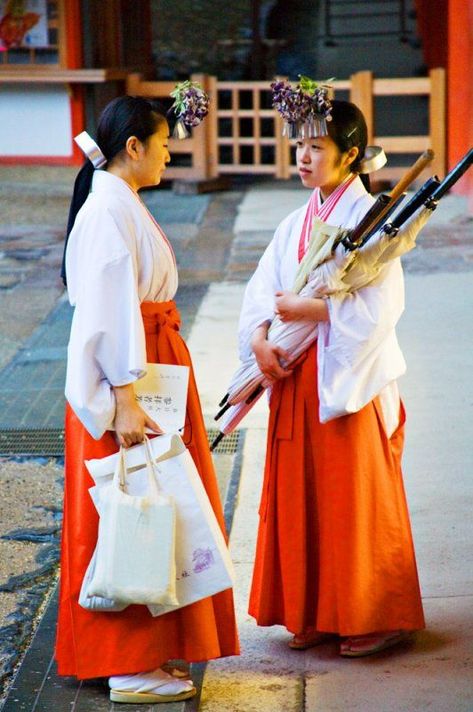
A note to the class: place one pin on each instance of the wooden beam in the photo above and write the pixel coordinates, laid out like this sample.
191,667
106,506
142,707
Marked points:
403,144
408,86
50,75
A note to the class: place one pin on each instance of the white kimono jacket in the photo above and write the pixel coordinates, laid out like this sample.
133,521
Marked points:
116,258
358,353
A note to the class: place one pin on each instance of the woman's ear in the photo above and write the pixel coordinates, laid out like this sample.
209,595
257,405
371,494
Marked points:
351,155
133,148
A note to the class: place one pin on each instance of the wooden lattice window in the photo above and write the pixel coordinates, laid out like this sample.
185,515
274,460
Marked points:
30,32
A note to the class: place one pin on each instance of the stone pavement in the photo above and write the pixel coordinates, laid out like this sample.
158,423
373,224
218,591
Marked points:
436,672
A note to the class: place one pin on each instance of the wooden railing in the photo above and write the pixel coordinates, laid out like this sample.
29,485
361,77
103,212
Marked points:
243,134
363,92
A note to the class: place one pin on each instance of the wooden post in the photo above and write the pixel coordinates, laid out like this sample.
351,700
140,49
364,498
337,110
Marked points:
282,146
437,120
236,126
361,94
283,149
62,34
132,84
211,125
256,127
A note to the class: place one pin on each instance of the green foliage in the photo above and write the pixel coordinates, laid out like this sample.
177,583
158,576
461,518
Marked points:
309,85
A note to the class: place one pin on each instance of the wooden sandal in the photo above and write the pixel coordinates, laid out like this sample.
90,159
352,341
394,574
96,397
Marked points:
303,641
360,645
149,698
149,688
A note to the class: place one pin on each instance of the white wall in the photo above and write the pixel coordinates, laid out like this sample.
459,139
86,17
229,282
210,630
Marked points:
35,120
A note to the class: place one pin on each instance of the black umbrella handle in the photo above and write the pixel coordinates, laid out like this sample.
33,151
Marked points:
450,179
217,441
392,228
223,410
224,400
353,239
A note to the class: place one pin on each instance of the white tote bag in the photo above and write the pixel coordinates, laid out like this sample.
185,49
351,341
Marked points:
135,554
203,563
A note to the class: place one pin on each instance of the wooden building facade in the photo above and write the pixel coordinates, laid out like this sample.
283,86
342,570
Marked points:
62,60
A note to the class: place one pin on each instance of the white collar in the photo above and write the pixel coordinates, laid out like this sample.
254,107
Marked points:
103,182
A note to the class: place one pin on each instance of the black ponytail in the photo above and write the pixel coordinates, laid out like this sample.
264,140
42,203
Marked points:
365,179
348,129
81,190
123,117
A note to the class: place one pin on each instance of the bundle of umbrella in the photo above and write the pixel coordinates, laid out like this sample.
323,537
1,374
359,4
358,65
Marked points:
341,261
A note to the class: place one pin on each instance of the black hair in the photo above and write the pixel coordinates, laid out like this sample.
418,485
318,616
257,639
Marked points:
123,117
348,129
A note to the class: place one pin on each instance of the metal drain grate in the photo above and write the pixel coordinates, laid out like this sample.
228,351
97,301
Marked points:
40,442
228,445
49,442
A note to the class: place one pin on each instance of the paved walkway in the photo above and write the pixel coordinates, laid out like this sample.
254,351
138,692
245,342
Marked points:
436,672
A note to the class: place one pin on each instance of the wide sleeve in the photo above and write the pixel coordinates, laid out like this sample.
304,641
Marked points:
358,351
258,301
360,320
107,344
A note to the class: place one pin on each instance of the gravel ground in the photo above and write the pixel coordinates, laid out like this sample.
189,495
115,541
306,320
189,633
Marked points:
33,212
30,520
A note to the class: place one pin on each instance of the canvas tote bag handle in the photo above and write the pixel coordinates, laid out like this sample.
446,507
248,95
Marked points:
119,477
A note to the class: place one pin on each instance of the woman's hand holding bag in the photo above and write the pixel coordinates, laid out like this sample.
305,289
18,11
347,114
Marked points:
135,555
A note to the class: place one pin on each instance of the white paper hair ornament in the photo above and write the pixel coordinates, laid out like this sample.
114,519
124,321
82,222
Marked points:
88,146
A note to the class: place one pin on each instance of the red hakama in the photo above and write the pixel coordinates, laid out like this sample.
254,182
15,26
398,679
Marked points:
91,644
334,550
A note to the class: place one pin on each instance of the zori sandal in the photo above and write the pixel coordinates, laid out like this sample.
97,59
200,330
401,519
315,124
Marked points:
309,639
360,645
149,688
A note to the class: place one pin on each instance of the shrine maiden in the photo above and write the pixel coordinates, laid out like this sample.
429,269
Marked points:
334,552
122,278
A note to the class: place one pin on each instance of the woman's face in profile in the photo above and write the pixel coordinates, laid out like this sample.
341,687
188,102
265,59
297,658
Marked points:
155,156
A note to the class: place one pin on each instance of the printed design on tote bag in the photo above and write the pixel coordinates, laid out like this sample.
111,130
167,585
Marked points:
203,559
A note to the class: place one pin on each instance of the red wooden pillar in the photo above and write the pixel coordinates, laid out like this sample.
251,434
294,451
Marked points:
72,58
460,88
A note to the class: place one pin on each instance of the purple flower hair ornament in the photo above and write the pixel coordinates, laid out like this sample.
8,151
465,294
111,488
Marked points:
305,108
191,106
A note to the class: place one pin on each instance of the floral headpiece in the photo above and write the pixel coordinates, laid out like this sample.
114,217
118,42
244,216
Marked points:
191,106
305,108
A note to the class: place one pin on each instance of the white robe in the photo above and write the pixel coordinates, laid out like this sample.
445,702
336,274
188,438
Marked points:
358,354
116,258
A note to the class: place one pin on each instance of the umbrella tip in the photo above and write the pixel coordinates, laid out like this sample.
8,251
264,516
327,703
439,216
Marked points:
216,442
224,400
222,411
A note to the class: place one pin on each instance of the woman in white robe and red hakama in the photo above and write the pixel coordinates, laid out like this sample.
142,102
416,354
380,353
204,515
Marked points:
334,550
122,278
